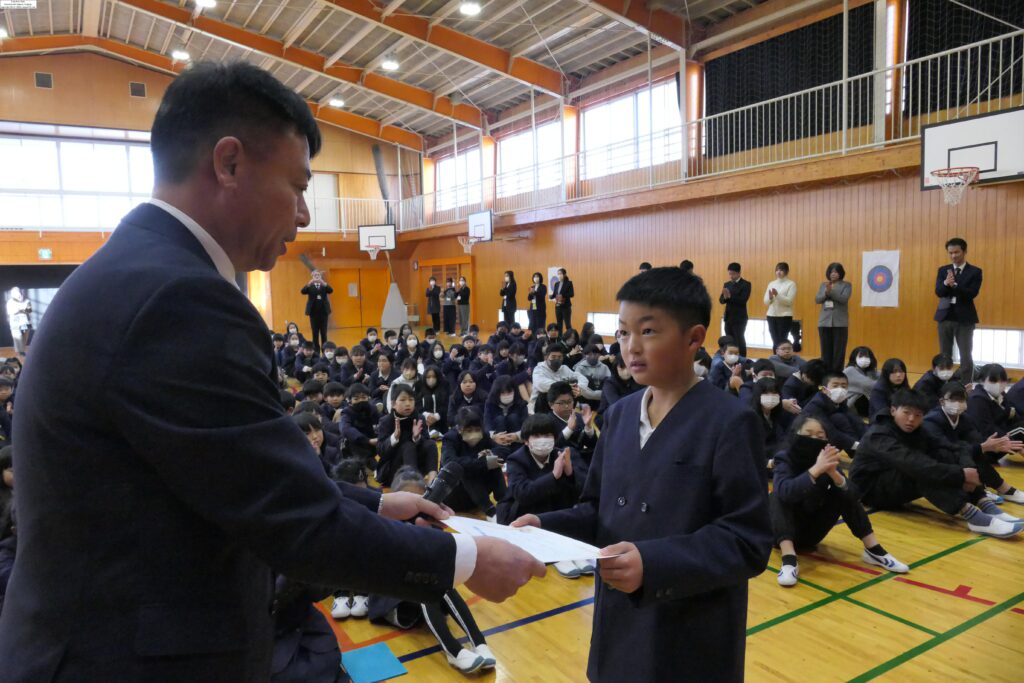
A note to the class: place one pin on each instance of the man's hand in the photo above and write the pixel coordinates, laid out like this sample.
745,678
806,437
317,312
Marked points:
971,479
501,569
624,573
726,294
404,505
526,520
950,280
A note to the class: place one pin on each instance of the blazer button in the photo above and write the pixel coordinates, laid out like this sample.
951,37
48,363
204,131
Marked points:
643,507
622,501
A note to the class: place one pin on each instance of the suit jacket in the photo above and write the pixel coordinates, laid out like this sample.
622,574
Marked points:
537,297
736,304
433,295
694,501
153,501
508,296
835,306
563,289
317,301
968,285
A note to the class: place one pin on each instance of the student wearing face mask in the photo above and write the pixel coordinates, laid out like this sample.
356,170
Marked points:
948,423
731,368
462,293
508,297
471,447
290,351
432,401
596,373
448,307
766,402
932,381
359,369
987,406
803,386
862,372
553,370
409,348
517,368
402,439
702,363
784,359
293,328
537,296
779,297
466,394
810,493
834,320
897,462
391,342
435,354
891,379
829,407
433,295
761,369
618,386
371,342
504,414
359,420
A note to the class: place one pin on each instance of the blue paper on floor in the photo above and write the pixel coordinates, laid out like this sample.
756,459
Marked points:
371,664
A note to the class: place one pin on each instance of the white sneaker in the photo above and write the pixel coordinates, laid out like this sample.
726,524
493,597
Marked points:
586,567
434,434
886,561
788,575
466,661
360,606
342,608
1016,497
994,497
1006,517
997,528
568,569
489,659
493,519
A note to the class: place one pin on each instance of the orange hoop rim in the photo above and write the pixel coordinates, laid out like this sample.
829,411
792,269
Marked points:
967,174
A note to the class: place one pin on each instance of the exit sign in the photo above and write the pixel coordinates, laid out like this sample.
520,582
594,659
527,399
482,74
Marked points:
46,254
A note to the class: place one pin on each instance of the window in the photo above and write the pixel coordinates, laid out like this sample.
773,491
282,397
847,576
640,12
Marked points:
515,160
757,335
322,201
93,167
659,128
458,180
1002,346
522,317
605,324
28,164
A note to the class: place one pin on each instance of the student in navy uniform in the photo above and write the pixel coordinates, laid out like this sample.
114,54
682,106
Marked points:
578,428
957,286
305,646
689,526
786,362
732,365
504,414
312,427
516,367
462,293
432,401
862,373
562,292
304,361
359,419
279,350
6,490
931,382
620,385
949,423
829,406
358,369
402,439
891,379
334,400
762,368
766,402
408,347
312,390
318,307
538,298
897,462
371,341
409,376
469,445
483,368
452,364
541,478
465,394
987,406
734,296
433,295
381,380
1015,397
810,493
508,297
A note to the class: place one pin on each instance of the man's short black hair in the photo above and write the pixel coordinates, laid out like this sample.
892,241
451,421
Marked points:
735,267
645,266
908,398
957,242
558,389
334,389
210,101
680,293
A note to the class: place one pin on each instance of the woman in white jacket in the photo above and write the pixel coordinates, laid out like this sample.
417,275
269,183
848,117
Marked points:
779,297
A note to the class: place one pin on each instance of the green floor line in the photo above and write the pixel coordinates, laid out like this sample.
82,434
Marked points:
763,626
939,639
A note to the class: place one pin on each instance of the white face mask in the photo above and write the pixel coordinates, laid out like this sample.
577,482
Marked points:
994,389
699,369
536,280
411,343
507,399
329,355
954,408
409,375
371,338
472,438
392,342
944,375
863,361
438,354
293,343
731,358
769,401
838,394
541,446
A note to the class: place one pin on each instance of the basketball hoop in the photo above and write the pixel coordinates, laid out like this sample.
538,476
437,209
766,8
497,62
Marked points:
467,243
373,251
955,181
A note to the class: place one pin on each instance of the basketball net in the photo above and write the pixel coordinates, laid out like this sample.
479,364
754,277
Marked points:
467,243
954,182
373,251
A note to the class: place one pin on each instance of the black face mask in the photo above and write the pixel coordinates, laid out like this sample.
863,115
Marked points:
362,408
555,365
804,451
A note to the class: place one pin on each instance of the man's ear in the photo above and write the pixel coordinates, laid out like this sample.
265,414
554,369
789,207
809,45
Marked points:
226,155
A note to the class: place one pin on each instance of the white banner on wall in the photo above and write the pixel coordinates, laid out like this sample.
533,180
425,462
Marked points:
881,284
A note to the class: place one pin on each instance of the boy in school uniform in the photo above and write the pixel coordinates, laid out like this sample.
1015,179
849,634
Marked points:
483,368
304,362
676,497
359,425
358,369
786,362
334,399
733,365
829,407
931,382
576,428
803,385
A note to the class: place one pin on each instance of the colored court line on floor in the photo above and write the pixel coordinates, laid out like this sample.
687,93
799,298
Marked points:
939,639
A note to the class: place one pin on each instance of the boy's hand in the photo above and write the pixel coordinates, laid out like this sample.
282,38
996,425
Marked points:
566,458
623,573
526,520
398,430
791,406
587,413
559,468
417,429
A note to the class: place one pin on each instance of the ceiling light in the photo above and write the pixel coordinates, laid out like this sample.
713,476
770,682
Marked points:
389,64
335,102
206,4
469,9
180,56
3,33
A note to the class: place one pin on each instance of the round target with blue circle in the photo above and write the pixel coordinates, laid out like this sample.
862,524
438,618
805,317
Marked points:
880,279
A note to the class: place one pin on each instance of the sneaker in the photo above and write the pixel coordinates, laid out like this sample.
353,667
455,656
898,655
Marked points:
788,575
434,434
342,608
1006,517
997,527
994,497
493,519
360,606
586,567
489,659
466,661
886,561
568,569
1016,497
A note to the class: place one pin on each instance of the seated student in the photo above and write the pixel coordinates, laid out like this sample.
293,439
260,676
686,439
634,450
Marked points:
6,391
573,349
336,358
401,439
320,373
429,339
724,342
786,362
465,394
987,406
810,493
500,334
435,355
279,348
469,343
766,402
288,401
702,362
6,490
949,423
476,655
577,427
732,366
370,341
288,354
334,399
829,407
312,390
504,414
432,401
516,368
596,374
359,425
552,370
380,381
931,382
862,373
452,364
802,386
470,446
409,376
892,378
304,362
410,349
358,369
620,385
311,426
897,461
483,368
761,369
8,553
1015,397
391,343
501,355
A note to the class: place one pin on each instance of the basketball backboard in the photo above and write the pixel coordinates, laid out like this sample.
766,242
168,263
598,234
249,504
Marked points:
381,237
480,226
992,142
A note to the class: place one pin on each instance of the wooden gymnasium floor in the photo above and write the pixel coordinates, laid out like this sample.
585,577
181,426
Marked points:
958,615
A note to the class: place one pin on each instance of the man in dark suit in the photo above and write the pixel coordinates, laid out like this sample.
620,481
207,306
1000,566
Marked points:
957,286
734,297
318,308
154,499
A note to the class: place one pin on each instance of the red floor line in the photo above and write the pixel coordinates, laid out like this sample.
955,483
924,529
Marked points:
343,640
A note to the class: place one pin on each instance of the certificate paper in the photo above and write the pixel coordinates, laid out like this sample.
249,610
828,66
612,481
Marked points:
546,546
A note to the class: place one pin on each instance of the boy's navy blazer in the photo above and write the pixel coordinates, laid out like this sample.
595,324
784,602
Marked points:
154,498
694,500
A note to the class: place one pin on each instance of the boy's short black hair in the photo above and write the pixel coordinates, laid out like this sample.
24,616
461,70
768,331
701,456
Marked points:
815,371
474,329
558,389
484,348
556,347
762,364
349,470
725,340
385,355
355,390
702,357
307,422
540,425
503,346
371,330
287,399
430,332
6,382
330,345
307,407
957,242
277,336
686,265
307,344
312,386
7,457
469,338
320,366
468,416
784,341
334,389
591,348
517,349
388,334
941,360
908,398
406,475
401,390
831,375
358,350
954,390
410,364
516,326
677,292
735,267
645,266
552,326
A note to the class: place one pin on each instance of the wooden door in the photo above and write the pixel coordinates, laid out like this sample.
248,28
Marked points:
345,300
373,288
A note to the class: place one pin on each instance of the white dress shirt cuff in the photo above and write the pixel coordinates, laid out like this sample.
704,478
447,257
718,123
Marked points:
465,558
394,441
